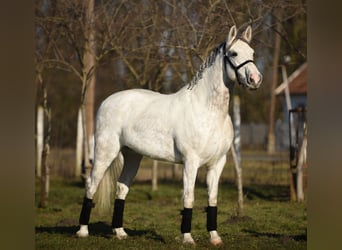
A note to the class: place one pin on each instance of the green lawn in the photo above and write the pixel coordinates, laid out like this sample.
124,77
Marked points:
152,219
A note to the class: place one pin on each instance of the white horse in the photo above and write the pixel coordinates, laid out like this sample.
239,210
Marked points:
191,126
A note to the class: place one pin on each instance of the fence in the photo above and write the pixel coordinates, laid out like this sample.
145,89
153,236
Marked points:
254,135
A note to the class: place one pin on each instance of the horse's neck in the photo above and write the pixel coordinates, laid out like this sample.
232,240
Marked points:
211,89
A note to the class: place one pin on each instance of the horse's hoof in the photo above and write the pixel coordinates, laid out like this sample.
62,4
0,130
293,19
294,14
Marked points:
215,239
216,242
83,232
120,233
121,237
188,240
81,235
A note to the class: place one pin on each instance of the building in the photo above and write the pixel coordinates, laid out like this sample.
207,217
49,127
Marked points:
297,96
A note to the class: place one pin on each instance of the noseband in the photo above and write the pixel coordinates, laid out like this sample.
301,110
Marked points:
235,68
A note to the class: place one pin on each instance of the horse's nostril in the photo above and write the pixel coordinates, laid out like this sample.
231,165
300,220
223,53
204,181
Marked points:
254,78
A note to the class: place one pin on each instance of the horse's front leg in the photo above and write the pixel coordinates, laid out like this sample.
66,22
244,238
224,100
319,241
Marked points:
213,176
189,179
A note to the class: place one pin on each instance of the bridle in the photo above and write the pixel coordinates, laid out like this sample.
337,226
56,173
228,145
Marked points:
226,58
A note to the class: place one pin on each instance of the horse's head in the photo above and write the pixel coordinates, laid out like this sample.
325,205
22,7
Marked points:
239,59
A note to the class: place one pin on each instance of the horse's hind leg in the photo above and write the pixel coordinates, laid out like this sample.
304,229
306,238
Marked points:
129,171
105,152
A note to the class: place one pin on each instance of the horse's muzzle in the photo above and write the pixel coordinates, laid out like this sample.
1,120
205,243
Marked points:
254,81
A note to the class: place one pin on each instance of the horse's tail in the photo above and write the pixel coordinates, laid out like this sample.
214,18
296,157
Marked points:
106,189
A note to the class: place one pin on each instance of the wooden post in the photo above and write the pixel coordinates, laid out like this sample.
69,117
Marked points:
301,162
40,139
155,175
236,153
79,145
293,160
297,154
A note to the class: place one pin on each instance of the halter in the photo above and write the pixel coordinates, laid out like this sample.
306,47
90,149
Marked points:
236,68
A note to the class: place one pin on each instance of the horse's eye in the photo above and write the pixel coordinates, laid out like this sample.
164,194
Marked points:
233,54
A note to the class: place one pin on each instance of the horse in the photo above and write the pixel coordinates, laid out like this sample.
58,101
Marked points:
191,126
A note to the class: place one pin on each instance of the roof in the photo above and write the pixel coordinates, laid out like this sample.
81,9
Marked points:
297,81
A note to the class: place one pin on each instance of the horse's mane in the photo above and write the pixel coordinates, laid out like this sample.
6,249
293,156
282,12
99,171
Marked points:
206,64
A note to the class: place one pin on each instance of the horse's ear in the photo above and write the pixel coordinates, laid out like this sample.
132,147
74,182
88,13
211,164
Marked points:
231,35
247,34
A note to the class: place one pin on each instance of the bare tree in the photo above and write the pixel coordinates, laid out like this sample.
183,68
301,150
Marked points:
45,169
88,85
276,53
72,48
42,51
155,38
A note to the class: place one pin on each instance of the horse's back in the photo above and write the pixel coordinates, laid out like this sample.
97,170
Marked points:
139,118
125,102
130,96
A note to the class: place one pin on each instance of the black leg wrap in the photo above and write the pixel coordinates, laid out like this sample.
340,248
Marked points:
119,206
186,220
85,212
211,218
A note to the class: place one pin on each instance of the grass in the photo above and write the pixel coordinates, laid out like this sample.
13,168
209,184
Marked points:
152,219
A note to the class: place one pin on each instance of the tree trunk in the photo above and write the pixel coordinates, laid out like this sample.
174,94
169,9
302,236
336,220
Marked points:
44,178
277,40
88,86
45,170
155,175
39,139
85,145
79,146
